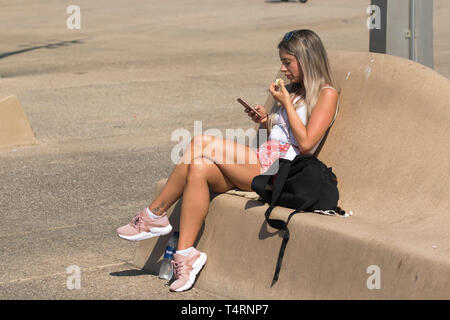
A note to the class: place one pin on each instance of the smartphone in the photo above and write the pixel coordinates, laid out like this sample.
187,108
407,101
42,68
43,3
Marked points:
246,105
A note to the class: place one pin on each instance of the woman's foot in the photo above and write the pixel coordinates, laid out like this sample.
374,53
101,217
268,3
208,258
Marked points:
186,268
144,227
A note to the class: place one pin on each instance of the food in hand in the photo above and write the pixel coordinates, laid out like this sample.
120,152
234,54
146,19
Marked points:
278,83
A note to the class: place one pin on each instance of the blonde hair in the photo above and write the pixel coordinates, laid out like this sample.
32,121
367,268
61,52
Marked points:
310,53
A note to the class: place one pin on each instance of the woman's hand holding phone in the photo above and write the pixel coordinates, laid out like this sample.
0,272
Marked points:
255,117
257,113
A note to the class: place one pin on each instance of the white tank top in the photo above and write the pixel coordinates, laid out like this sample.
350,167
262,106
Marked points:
281,130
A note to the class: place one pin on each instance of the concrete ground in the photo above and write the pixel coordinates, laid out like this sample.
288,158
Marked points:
103,102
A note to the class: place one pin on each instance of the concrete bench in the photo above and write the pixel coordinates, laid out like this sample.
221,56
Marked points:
389,148
15,130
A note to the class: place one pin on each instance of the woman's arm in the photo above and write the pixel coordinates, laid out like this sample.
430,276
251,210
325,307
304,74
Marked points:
321,117
318,123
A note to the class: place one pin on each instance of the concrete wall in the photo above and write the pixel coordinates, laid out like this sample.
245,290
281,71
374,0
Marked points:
389,150
15,130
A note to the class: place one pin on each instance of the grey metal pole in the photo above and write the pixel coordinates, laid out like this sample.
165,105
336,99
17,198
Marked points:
378,40
412,27
404,29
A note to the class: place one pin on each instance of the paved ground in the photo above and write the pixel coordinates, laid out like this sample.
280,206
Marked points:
103,102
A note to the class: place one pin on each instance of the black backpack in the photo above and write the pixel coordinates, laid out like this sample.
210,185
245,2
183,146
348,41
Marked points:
305,184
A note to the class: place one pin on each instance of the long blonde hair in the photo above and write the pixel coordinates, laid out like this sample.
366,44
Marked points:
309,51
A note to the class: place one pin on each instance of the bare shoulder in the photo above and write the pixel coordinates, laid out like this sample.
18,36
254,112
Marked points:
328,93
327,88
326,105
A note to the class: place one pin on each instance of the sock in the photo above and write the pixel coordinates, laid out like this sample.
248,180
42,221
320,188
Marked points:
184,252
151,214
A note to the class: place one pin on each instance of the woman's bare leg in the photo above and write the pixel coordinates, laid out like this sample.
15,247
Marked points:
238,163
203,176
174,187
172,190
225,164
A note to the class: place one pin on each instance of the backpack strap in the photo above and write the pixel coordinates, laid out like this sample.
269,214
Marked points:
278,184
282,226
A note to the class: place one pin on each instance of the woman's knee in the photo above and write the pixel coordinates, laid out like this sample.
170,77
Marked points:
206,171
198,169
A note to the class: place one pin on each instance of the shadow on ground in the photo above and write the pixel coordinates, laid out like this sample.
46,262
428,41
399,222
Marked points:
53,45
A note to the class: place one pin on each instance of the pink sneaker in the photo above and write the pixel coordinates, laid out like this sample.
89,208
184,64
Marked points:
186,268
143,227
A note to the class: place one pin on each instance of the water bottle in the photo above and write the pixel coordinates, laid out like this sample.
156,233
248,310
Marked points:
166,271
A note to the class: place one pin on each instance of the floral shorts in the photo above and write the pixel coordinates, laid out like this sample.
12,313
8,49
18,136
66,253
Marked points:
270,151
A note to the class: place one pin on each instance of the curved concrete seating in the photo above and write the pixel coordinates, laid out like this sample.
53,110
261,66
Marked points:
389,148
15,130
